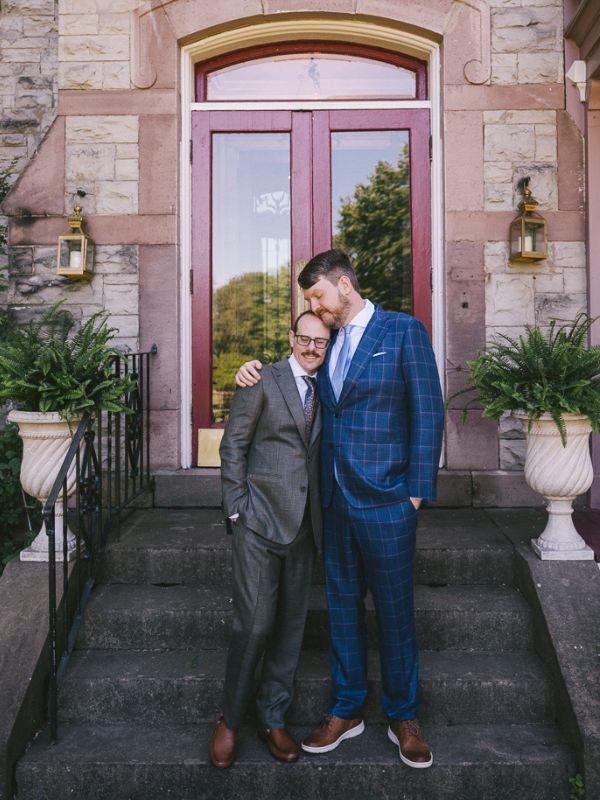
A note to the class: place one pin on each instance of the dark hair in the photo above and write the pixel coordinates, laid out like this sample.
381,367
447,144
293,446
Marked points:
331,264
299,317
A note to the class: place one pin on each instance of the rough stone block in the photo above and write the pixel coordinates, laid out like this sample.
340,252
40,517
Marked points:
510,428
119,299
540,67
76,7
563,308
567,254
509,142
19,121
512,454
498,197
127,151
107,129
93,48
127,325
79,76
526,29
39,26
504,69
529,117
544,184
90,161
29,8
116,75
497,172
509,300
549,282
114,23
21,55
72,199
77,24
20,261
116,197
575,281
127,169
545,146
119,259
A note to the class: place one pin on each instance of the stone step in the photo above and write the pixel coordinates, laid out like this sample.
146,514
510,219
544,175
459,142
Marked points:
189,617
191,547
175,688
130,763
198,487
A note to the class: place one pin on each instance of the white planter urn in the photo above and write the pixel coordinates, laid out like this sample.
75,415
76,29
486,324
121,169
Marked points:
559,474
46,441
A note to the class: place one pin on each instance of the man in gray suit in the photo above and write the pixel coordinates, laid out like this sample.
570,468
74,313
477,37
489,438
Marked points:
270,481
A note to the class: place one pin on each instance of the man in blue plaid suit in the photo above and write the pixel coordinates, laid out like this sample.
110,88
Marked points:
383,421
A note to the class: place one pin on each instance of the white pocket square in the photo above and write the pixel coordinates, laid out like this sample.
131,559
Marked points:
383,352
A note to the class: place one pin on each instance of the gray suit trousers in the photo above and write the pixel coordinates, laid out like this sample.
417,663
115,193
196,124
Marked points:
271,587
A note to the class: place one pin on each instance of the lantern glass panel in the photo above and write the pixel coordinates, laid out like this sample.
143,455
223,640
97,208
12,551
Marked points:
534,237
89,256
515,238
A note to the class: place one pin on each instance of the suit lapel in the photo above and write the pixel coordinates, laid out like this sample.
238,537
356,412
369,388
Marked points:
284,377
364,352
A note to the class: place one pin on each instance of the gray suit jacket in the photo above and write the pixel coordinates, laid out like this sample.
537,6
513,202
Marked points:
267,467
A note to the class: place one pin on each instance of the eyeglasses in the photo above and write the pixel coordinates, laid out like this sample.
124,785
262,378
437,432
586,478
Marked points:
320,344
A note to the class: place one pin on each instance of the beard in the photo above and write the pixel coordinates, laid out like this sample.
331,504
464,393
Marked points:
336,317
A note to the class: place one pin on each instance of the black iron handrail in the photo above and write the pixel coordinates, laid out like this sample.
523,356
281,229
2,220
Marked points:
111,455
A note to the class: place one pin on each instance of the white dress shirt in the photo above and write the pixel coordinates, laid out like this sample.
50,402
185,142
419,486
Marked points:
359,323
299,372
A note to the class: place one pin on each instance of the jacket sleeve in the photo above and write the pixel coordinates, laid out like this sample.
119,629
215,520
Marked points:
246,408
426,411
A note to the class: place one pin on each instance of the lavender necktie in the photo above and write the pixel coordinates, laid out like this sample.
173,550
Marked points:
342,365
310,402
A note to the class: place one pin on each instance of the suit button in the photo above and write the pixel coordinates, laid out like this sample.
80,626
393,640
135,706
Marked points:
303,488
337,415
331,447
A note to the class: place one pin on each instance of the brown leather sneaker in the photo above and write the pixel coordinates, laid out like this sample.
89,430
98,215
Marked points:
414,750
280,743
331,731
222,745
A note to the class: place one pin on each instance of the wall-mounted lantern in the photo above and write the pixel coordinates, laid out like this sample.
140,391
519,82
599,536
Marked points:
75,255
529,231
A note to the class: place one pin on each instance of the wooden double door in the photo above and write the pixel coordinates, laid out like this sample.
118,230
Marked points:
272,188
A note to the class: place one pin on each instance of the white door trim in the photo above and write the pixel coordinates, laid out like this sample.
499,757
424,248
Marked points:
366,33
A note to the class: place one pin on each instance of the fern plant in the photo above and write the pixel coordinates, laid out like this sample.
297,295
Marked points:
555,373
46,366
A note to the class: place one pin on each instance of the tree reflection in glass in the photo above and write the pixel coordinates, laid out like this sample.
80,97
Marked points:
371,212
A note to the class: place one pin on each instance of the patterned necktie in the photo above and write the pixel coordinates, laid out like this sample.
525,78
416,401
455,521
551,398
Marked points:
310,402
342,365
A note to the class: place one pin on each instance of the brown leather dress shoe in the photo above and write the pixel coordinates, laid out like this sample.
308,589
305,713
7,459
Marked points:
280,743
414,750
331,731
222,745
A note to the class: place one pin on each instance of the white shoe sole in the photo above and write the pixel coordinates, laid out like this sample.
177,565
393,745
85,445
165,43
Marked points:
356,731
415,764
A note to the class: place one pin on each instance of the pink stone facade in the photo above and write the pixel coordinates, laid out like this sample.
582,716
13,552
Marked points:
91,99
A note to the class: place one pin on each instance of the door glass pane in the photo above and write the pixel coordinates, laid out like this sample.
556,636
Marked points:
251,240
371,212
311,76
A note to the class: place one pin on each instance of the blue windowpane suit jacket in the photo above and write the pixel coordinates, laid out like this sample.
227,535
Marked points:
384,434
